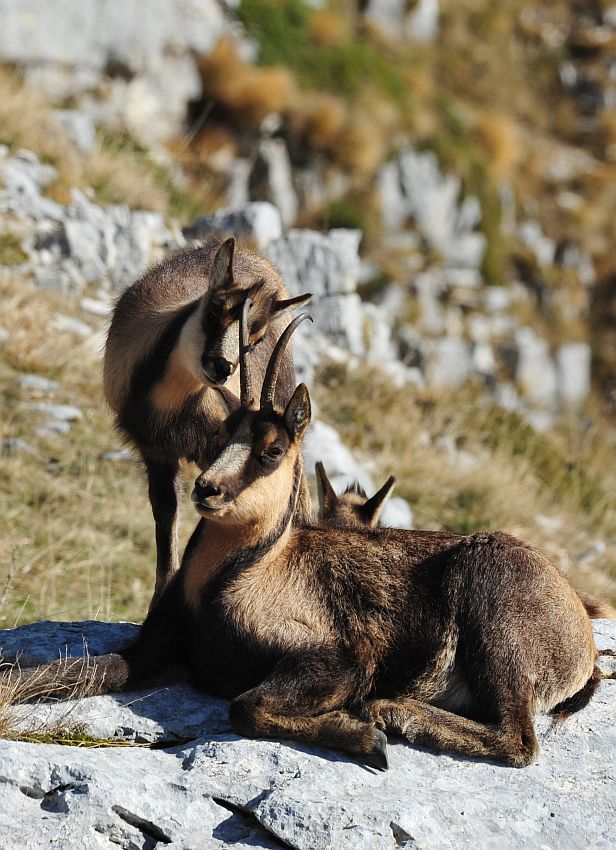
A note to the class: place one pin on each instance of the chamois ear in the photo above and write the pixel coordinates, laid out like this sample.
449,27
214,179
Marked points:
325,492
371,510
297,414
279,308
221,276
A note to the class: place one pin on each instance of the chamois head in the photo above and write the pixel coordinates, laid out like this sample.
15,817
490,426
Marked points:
257,472
216,331
353,507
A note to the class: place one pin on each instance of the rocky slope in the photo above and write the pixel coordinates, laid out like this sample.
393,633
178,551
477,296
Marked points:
205,787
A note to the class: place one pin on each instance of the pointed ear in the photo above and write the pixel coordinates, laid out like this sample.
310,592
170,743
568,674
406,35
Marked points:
221,276
297,414
371,510
325,492
279,308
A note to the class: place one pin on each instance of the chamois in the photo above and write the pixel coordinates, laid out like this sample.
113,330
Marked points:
169,372
353,507
334,636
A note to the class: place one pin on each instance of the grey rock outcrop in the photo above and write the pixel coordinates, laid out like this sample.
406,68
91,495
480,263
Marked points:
259,221
413,187
129,64
82,242
218,790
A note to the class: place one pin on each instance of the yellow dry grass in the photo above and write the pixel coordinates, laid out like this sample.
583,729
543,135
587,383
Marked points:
247,92
117,170
76,536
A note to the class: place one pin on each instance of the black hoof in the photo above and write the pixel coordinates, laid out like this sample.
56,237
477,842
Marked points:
377,757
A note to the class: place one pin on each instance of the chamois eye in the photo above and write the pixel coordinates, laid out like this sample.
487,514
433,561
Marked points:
273,453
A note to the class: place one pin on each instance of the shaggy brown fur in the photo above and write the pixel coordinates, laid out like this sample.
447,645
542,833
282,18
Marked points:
169,371
353,508
334,636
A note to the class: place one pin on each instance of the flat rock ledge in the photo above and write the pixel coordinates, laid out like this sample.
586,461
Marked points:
204,787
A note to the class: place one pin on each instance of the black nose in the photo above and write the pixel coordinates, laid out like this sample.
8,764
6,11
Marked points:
204,491
218,368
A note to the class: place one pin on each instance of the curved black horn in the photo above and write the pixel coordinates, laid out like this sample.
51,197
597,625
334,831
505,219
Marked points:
273,367
245,388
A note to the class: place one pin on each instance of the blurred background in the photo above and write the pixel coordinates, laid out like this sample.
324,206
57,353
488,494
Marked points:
439,173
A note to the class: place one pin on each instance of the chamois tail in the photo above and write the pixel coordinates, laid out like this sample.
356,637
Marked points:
578,700
595,608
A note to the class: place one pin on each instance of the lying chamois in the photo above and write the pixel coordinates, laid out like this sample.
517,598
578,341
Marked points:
353,507
333,636
170,363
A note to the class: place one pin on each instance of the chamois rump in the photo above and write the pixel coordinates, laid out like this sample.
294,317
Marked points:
335,636
170,365
354,508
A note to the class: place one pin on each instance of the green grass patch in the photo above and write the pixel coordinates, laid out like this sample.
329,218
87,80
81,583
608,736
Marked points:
283,33
11,252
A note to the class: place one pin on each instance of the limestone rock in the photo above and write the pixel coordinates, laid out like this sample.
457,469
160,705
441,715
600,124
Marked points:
259,221
573,372
221,791
141,58
271,179
327,265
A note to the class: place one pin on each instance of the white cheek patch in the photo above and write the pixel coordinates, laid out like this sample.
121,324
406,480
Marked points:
230,343
231,462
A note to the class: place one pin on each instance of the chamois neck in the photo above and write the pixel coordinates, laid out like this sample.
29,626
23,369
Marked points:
219,550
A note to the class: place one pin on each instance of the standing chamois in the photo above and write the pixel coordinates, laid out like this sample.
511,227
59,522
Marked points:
334,636
170,373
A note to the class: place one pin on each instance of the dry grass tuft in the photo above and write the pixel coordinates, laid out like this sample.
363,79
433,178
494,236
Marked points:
118,170
247,93
500,138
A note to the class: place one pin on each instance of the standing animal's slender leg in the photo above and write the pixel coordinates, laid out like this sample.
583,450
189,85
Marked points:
512,740
163,480
301,701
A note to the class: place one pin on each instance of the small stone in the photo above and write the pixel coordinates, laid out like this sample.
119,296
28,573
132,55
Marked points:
63,412
37,383
68,324
95,306
15,445
592,553
397,513
448,362
573,361
118,455
79,127
54,426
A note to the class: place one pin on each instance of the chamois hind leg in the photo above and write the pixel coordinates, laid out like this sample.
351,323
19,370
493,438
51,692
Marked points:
512,740
301,701
163,480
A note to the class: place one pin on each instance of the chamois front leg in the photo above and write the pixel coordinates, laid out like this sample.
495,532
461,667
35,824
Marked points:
512,741
163,492
302,701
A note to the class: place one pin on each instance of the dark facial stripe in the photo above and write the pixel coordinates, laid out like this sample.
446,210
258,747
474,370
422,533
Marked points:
234,564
